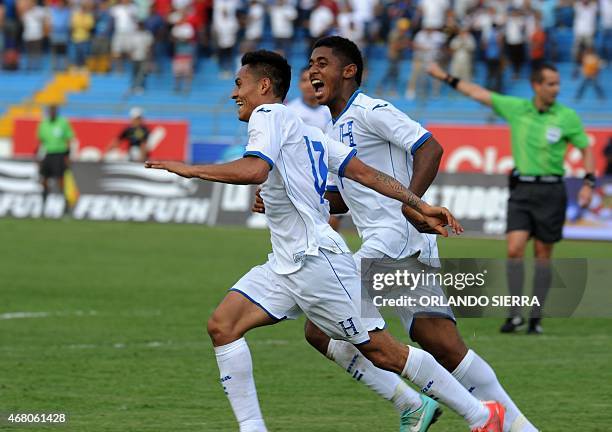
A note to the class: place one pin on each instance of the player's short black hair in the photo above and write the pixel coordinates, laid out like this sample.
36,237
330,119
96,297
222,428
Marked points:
270,65
537,73
346,50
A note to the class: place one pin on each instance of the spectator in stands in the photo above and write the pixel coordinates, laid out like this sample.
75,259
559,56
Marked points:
547,10
493,42
54,136
585,20
397,42
33,20
282,18
591,64
462,8
125,25
2,20
305,7
433,13
136,135
450,29
537,43
183,35
158,27
8,44
462,47
101,43
351,26
364,14
480,18
255,21
322,21
306,106
516,38
83,23
58,29
225,28
608,156
140,54
426,50
605,8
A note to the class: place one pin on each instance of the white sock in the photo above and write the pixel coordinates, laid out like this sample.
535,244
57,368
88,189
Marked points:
387,384
423,370
236,368
478,377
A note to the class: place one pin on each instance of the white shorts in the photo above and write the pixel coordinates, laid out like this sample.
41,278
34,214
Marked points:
327,289
372,318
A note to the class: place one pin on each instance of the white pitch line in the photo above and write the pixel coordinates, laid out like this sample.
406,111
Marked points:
77,313
25,315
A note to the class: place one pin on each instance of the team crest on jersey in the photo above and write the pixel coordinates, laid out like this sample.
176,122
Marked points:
553,134
298,257
348,134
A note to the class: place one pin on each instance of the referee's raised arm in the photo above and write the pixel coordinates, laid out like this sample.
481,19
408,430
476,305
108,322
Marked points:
469,89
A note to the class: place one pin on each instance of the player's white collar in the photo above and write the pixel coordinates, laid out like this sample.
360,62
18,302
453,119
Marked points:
348,104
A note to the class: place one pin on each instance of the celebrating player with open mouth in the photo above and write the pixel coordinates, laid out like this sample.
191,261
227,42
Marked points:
390,141
310,268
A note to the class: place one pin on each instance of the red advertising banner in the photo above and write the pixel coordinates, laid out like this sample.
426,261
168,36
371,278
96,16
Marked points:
486,149
167,139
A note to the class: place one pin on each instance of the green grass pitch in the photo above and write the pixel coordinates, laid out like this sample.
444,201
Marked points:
119,344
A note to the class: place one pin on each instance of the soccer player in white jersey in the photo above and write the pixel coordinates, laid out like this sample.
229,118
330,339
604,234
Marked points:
310,267
388,140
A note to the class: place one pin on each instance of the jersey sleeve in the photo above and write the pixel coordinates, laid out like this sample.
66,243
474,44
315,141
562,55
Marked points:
575,133
332,183
394,126
264,133
339,156
505,106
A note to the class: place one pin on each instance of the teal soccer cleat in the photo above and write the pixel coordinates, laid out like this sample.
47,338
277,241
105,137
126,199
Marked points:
421,419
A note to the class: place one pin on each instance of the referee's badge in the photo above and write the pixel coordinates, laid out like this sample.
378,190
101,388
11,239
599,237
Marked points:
553,134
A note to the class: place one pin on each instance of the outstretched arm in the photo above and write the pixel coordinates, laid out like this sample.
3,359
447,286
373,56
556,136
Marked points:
388,186
248,170
469,89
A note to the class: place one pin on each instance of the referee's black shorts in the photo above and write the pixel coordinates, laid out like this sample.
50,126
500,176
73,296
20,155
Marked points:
53,165
538,208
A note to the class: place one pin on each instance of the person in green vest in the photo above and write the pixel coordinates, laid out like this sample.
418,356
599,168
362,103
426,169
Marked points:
54,136
541,129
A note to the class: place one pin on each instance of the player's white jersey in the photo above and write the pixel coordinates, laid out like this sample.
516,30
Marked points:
300,157
386,139
318,116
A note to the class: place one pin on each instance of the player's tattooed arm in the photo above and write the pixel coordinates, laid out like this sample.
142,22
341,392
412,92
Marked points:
435,217
249,170
401,193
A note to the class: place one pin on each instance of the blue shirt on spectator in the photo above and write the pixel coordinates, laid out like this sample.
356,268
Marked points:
547,8
493,48
60,24
104,24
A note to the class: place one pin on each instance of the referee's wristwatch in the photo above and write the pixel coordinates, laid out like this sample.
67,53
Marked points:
589,180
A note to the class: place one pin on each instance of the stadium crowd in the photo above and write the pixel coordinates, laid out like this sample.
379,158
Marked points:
101,35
